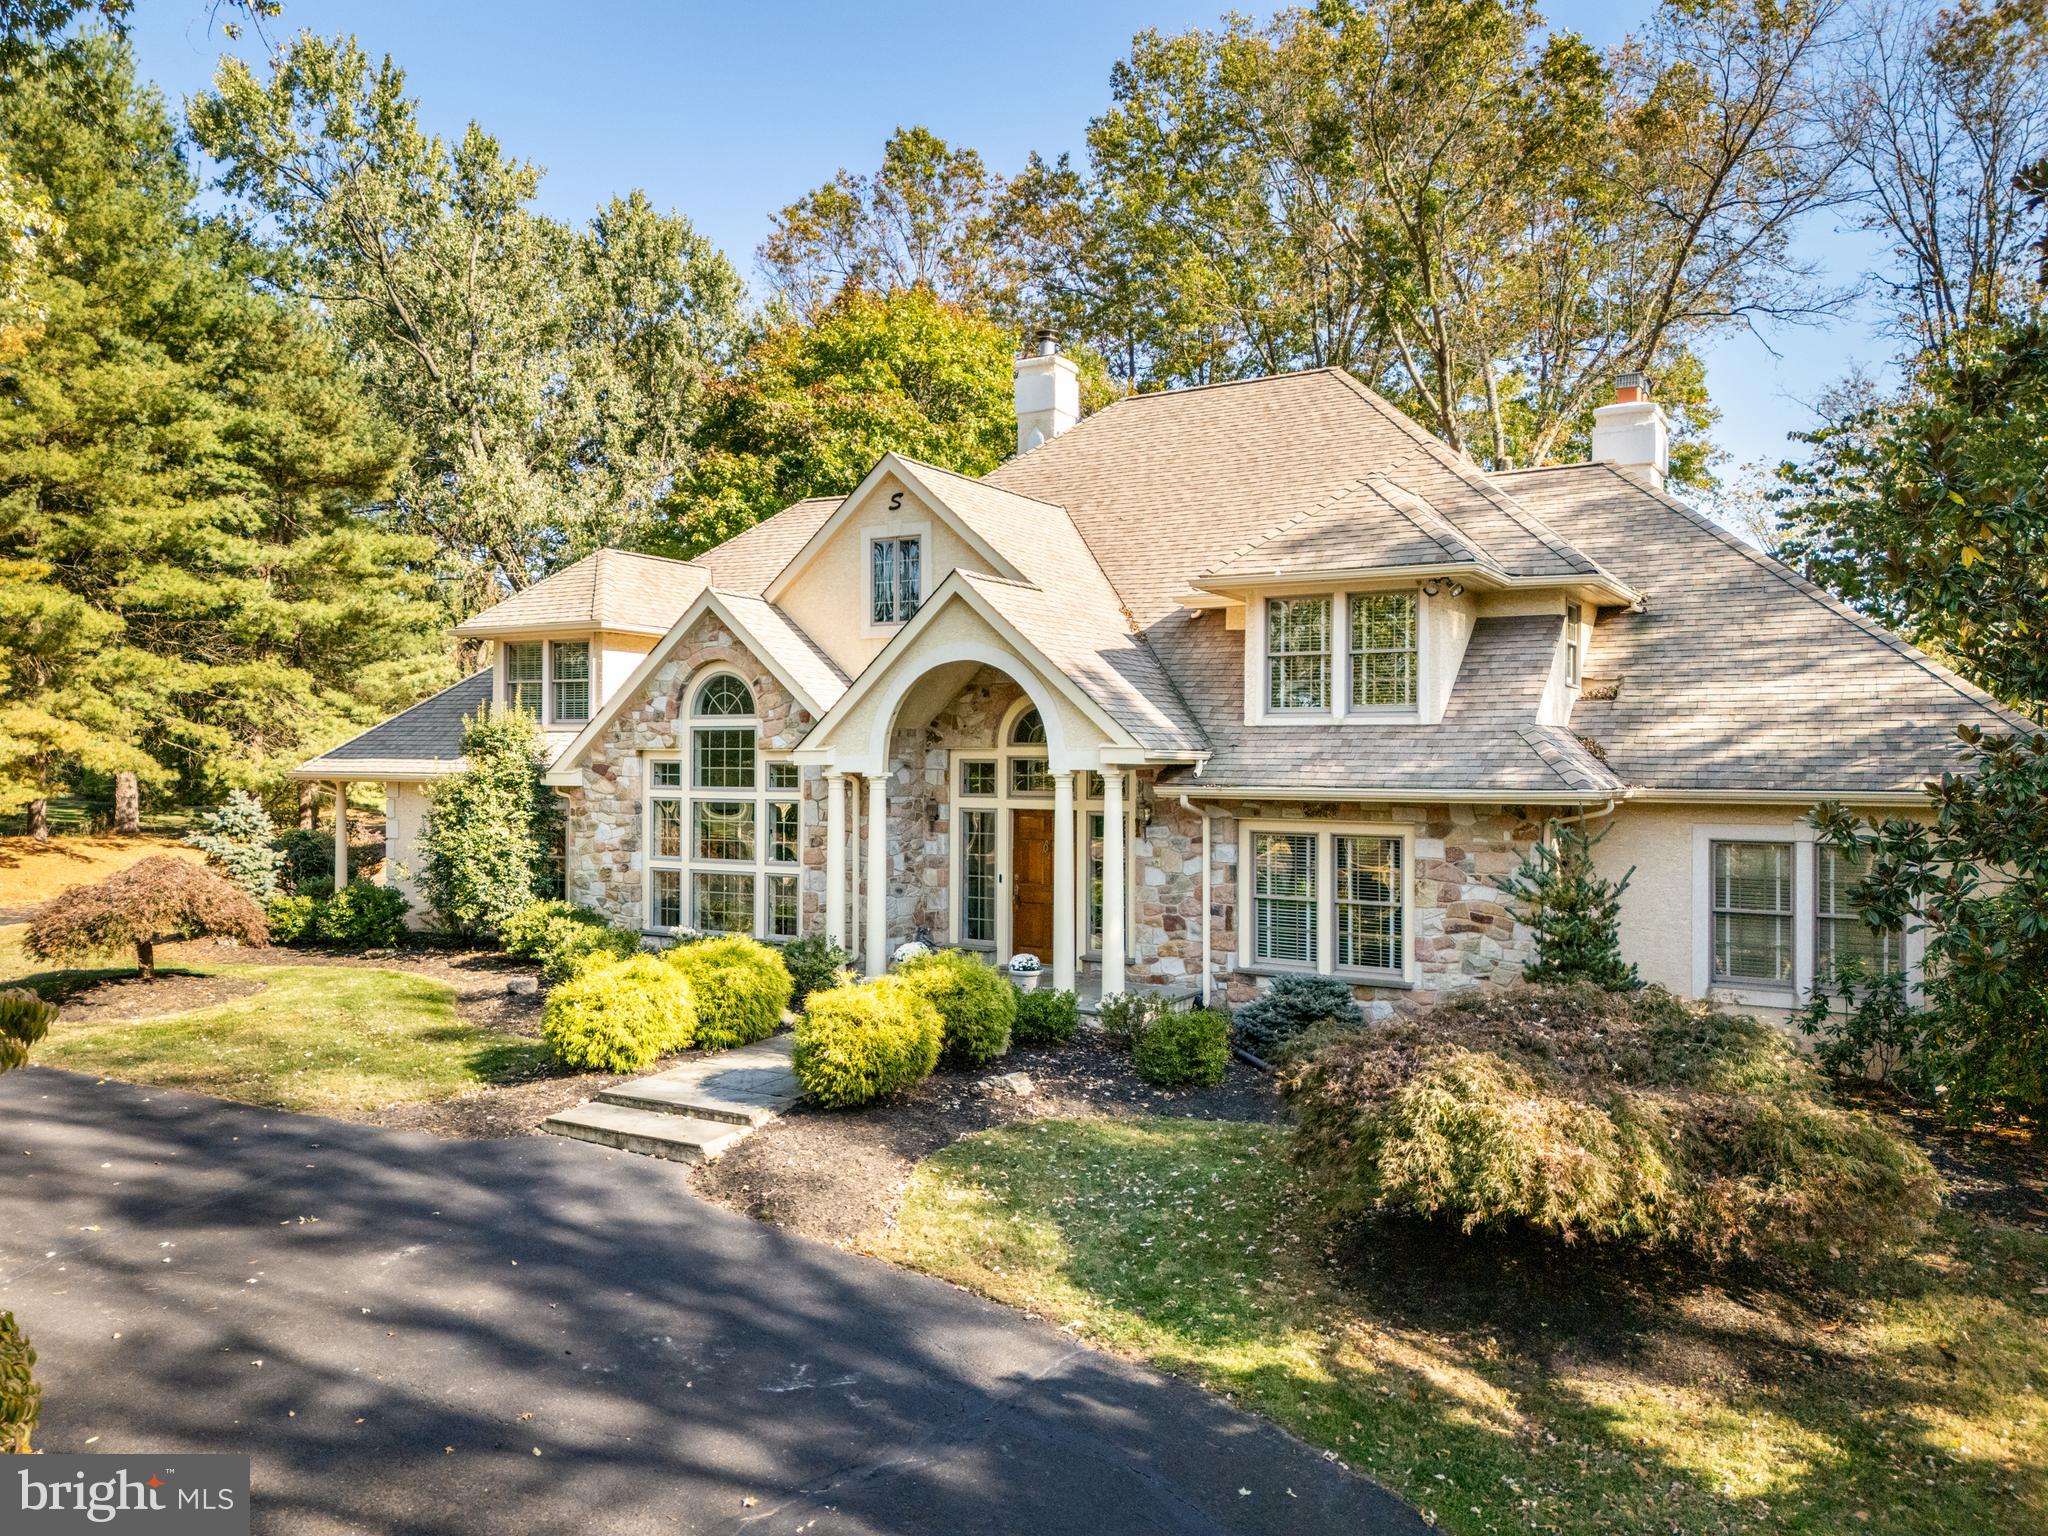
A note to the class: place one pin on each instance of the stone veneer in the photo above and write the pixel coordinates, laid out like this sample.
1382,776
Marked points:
604,812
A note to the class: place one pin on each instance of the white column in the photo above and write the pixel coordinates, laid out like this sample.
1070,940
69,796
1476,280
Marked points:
1113,875
878,874
835,858
340,834
1063,881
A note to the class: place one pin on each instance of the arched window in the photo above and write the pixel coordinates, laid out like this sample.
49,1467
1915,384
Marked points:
722,824
1029,731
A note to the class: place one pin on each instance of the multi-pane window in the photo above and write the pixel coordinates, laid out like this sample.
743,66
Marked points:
977,778
893,579
1298,653
1284,897
724,827
1752,912
1366,874
1029,731
522,677
1030,776
978,876
1842,941
1382,649
569,676
1573,618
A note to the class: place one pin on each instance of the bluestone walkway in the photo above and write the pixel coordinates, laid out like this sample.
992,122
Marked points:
412,1335
692,1112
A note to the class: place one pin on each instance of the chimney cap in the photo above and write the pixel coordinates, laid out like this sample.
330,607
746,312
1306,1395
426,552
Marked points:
1045,341
1631,386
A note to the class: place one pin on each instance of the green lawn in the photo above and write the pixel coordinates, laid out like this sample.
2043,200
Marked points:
331,1039
1503,1387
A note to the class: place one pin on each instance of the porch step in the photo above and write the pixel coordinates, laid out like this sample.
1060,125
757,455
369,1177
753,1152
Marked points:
652,1133
749,1086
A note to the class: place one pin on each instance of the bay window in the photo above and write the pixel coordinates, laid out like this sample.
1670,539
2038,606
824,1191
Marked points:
1328,899
723,827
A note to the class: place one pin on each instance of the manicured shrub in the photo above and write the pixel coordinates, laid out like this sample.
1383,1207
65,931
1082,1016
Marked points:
1045,1018
292,919
362,915
237,840
559,937
619,1015
976,1001
863,1041
1184,1049
1614,1117
308,857
155,901
814,964
485,851
741,988
1290,1005
1125,1016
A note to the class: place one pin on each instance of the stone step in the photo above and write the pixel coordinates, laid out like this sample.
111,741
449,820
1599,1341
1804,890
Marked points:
652,1133
749,1086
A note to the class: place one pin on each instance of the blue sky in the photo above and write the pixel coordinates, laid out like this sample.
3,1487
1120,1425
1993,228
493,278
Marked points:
726,112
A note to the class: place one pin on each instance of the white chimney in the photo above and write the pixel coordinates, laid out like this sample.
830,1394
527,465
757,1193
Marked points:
1048,392
1633,433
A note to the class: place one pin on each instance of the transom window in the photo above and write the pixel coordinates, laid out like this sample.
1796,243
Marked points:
1382,649
523,677
1752,913
724,839
1327,900
1842,940
1298,653
894,578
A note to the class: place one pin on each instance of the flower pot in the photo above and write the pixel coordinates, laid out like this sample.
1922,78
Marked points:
1027,981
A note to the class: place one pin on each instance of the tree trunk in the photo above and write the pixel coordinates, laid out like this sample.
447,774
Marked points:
127,804
39,820
145,958
309,806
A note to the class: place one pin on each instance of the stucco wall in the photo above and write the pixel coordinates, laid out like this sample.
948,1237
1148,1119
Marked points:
604,809
405,818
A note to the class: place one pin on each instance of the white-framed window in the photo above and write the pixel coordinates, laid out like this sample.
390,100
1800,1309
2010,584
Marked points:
523,663
895,578
1383,649
1574,617
1298,654
1753,913
724,824
1840,936
569,680
1331,898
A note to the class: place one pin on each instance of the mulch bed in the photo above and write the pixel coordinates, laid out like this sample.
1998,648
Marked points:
838,1175
130,998
1997,1172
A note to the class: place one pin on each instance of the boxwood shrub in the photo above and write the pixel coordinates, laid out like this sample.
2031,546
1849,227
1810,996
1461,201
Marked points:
813,964
559,937
863,1041
1184,1049
1626,1118
291,918
359,916
1290,1005
974,999
741,986
619,1015
1045,1018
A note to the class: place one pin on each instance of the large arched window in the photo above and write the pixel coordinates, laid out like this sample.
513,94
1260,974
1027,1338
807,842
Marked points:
722,824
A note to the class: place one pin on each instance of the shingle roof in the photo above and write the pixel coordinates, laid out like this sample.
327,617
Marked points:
749,561
1371,523
613,589
1741,674
1489,739
422,740
770,631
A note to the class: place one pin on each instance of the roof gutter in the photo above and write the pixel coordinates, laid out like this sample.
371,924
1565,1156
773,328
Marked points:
1406,794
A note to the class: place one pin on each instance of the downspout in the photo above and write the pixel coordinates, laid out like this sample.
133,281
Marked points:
1208,916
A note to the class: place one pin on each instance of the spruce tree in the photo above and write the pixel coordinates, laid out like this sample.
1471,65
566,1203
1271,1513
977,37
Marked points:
1575,911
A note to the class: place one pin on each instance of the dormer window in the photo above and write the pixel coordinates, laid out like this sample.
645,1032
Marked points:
1382,650
1573,617
1298,653
895,571
569,678
523,677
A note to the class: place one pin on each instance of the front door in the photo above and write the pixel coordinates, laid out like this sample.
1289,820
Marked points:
1031,884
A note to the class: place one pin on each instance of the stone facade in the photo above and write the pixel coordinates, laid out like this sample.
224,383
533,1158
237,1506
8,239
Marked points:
605,811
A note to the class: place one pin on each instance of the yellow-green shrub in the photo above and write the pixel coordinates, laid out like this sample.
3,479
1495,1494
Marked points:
976,1001
740,985
559,937
618,1015
864,1041
1184,1049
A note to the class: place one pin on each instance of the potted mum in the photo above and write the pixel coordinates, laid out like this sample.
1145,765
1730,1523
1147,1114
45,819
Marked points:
1025,972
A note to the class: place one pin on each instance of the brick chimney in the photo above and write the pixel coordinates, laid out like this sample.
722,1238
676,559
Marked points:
1048,392
1633,432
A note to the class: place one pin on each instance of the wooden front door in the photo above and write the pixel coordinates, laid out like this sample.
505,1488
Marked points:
1031,884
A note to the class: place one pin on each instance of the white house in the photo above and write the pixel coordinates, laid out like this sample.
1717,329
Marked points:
1213,685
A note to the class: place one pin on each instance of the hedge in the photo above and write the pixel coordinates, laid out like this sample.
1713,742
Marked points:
1633,1119
619,1015
863,1041
1046,1018
1184,1049
362,915
974,999
741,986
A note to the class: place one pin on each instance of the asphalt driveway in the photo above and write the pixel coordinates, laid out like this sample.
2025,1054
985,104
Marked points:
416,1335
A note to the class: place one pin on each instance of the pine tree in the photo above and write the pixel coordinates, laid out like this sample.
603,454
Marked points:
1575,911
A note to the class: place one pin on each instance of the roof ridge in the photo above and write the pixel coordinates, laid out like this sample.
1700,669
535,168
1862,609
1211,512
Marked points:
1294,520
981,481
1466,548
1870,628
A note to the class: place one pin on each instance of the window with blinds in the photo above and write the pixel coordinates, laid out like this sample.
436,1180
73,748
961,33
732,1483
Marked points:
1284,897
1752,912
1366,874
523,678
1298,653
1382,649
1843,944
569,666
